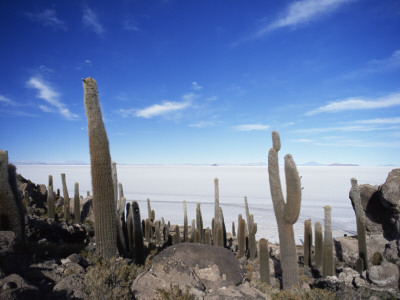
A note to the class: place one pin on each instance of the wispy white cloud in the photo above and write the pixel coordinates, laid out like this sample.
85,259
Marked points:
212,98
155,110
130,24
49,18
202,124
189,97
196,86
377,66
251,127
380,121
91,20
350,128
7,101
52,98
357,104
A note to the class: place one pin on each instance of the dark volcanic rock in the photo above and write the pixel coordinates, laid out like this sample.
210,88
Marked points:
16,287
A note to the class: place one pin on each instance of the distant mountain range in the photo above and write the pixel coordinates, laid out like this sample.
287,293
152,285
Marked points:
316,164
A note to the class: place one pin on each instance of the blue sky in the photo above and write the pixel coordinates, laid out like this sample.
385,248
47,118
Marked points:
202,82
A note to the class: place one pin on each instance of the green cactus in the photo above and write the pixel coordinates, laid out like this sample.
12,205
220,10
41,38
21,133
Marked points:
77,204
139,250
67,215
199,221
286,213
319,245
360,265
129,228
219,238
377,259
197,236
252,240
50,180
147,230
360,219
51,203
222,221
177,236
122,231
307,242
207,236
263,251
102,184
192,230
249,223
11,208
148,208
242,238
157,232
328,267
233,229
115,181
185,223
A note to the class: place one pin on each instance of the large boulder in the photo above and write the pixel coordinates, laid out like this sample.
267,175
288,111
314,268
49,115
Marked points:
381,205
204,269
15,287
385,274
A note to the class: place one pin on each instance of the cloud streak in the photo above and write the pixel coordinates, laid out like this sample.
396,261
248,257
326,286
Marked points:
357,104
90,20
251,127
48,94
155,110
48,18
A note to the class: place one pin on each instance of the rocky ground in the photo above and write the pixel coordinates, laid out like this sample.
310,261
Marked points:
57,261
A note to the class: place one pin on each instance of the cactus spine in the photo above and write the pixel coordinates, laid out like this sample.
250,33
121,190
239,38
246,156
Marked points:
327,268
319,243
77,204
11,210
264,261
185,223
307,242
102,184
67,215
242,238
360,217
286,213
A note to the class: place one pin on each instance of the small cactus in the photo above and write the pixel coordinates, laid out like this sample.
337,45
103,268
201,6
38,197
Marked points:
193,230
319,242
67,215
328,267
307,242
77,204
264,261
360,265
377,258
197,236
207,236
233,229
177,236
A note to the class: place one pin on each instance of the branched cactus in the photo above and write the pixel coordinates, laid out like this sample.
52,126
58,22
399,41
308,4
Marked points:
242,238
360,218
185,223
67,215
307,242
319,245
11,210
286,213
102,184
328,267
77,204
264,261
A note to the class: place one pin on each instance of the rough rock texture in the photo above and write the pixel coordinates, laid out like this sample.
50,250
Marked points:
70,287
381,205
7,242
16,287
386,274
207,270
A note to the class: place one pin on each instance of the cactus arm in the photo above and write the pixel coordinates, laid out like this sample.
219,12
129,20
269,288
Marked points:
275,183
293,191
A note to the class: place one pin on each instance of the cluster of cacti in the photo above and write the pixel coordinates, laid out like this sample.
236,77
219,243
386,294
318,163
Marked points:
286,213
102,182
328,266
11,208
360,219
307,242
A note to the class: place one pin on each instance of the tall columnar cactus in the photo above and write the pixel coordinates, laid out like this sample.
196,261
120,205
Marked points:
307,242
328,268
115,181
192,230
105,224
233,229
50,180
286,213
139,250
67,215
360,218
123,237
216,206
197,237
11,210
207,236
158,233
219,238
199,221
222,221
264,261
129,228
177,236
252,241
77,204
249,223
148,230
148,208
185,223
319,245
242,238
51,203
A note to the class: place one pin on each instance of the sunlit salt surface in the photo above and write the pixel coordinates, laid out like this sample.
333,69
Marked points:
168,186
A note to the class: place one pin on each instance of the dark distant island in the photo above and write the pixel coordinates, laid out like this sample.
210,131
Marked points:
343,165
